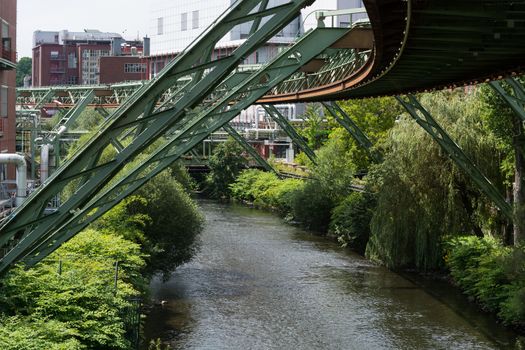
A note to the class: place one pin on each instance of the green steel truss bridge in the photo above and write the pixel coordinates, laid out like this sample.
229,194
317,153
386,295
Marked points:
409,46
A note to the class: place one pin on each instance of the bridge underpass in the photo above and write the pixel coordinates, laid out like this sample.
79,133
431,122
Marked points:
417,46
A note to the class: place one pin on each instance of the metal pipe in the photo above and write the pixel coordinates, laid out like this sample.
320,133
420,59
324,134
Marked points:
21,173
44,162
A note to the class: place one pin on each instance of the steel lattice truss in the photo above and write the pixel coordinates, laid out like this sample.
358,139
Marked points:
203,96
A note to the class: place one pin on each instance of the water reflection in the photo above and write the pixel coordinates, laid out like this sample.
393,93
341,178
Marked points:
260,284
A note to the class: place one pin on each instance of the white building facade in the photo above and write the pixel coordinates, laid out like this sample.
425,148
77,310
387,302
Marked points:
175,24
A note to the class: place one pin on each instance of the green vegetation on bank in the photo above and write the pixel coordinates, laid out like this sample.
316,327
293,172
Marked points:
417,206
70,300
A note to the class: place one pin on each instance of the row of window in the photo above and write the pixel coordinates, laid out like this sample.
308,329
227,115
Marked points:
183,22
135,67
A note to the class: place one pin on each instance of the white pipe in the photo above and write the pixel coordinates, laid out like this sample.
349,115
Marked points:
44,162
21,171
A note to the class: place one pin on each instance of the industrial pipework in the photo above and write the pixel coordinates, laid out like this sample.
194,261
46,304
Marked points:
21,171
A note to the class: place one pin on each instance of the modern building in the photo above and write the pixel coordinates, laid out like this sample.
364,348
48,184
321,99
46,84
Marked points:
7,83
175,25
85,58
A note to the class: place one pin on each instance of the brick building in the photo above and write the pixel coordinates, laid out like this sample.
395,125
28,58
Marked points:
7,80
84,58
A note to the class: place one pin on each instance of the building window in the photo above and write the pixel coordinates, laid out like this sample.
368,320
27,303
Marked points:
183,21
134,67
195,20
3,101
6,40
160,25
71,61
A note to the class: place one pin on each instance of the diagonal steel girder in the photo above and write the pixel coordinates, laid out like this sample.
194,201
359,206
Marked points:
249,148
290,131
346,122
516,102
72,115
427,122
190,131
30,221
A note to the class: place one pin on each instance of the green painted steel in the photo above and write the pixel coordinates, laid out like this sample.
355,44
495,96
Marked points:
342,118
187,132
517,101
249,148
290,131
427,122
31,221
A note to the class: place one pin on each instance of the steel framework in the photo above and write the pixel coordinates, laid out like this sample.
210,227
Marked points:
239,91
432,127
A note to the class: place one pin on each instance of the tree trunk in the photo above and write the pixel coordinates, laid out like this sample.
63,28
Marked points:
519,186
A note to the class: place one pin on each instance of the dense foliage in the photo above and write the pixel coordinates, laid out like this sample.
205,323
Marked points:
23,69
226,163
265,190
70,301
494,275
422,195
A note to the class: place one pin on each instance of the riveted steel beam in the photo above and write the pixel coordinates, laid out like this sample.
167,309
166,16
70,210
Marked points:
186,135
430,125
130,113
346,122
249,148
517,101
290,131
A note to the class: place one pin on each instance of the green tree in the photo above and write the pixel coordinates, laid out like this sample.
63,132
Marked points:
174,224
421,194
508,128
226,163
23,68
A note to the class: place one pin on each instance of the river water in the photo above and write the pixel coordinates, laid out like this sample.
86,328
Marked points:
258,283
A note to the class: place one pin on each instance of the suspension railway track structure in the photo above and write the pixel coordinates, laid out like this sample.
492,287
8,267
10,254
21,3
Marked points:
410,46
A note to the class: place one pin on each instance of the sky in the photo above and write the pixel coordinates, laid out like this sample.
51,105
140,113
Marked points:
127,17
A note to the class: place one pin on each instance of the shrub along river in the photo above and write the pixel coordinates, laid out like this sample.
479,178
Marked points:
258,283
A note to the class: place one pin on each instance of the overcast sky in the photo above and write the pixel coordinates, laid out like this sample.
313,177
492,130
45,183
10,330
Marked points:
127,17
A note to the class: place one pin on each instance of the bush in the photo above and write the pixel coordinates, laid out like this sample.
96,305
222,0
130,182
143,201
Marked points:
266,190
312,206
492,274
226,163
174,224
350,220
81,300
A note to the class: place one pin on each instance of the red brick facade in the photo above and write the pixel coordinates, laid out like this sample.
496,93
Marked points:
83,63
7,79
115,69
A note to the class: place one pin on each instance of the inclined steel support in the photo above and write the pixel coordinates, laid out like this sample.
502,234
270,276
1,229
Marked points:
188,134
290,131
427,122
72,115
30,222
516,102
249,148
346,122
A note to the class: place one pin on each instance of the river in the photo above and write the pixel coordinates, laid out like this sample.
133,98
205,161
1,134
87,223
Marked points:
258,283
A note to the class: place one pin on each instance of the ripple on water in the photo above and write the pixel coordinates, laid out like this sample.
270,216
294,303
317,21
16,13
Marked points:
257,283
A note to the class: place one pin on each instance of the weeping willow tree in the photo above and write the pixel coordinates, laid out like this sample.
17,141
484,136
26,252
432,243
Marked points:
422,195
